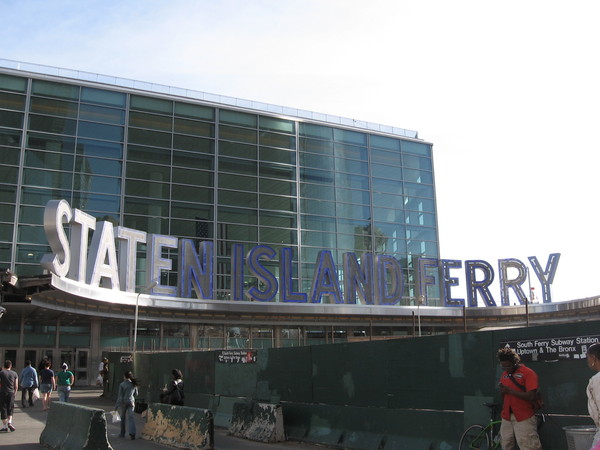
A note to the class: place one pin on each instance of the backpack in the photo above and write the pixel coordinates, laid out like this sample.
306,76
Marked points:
537,402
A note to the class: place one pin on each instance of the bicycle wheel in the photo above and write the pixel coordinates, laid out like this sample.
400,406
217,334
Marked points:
475,438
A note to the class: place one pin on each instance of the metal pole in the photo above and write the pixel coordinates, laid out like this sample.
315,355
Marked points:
137,305
527,299
135,322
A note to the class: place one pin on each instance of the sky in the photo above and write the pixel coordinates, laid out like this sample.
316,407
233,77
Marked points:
507,92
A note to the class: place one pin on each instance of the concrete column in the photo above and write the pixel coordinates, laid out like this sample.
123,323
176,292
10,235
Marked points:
193,336
277,336
95,349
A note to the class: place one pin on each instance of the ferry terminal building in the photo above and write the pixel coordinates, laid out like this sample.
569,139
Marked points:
283,203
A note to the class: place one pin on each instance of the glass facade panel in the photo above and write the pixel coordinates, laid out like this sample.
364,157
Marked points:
97,203
236,198
148,154
98,166
192,193
228,181
238,134
151,104
100,131
53,107
279,187
60,180
103,97
56,90
101,114
202,213
49,142
10,83
52,124
276,202
194,111
9,174
140,188
40,197
147,137
237,118
185,126
12,101
47,160
191,176
277,155
195,160
193,144
97,184
11,119
238,150
10,137
350,189
153,121
7,214
148,172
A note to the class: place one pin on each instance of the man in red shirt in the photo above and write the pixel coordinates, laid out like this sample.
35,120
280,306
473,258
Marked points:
518,386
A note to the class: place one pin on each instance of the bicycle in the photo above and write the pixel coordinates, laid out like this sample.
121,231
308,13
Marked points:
479,437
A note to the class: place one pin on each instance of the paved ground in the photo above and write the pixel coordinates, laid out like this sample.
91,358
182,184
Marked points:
30,423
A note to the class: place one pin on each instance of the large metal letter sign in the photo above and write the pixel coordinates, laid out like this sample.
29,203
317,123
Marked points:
358,278
57,213
546,277
449,281
259,271
386,265
423,279
325,279
195,272
286,282
481,286
110,261
515,284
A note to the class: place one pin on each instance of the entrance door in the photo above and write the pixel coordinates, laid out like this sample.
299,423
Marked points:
81,367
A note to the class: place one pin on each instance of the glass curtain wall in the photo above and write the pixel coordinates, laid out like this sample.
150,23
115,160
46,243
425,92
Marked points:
208,173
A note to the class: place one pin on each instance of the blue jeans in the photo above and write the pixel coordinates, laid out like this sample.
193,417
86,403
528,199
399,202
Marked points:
63,393
127,419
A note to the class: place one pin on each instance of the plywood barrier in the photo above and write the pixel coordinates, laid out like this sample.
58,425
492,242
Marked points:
261,422
179,426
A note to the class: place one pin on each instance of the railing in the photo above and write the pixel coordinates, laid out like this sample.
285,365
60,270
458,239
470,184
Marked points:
204,96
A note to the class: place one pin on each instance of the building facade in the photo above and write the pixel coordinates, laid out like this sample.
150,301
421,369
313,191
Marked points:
202,168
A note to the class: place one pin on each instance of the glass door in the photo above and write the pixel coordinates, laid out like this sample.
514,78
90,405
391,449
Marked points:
81,371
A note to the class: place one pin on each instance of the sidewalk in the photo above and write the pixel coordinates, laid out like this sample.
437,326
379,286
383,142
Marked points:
30,423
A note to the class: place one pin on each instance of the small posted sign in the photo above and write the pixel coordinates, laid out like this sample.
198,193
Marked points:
236,356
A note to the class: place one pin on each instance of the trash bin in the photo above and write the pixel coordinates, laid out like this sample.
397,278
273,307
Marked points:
580,437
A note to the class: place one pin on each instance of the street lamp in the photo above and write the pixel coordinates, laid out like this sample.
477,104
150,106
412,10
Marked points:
137,304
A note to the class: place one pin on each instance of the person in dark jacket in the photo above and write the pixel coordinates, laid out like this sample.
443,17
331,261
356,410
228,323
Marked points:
173,392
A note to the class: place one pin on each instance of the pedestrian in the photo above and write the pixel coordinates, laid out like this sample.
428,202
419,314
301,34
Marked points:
9,386
518,386
43,362
125,404
29,382
593,390
47,385
173,392
103,373
64,381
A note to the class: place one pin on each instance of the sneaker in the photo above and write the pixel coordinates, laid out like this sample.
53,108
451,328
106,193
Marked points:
4,430
132,436
11,427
